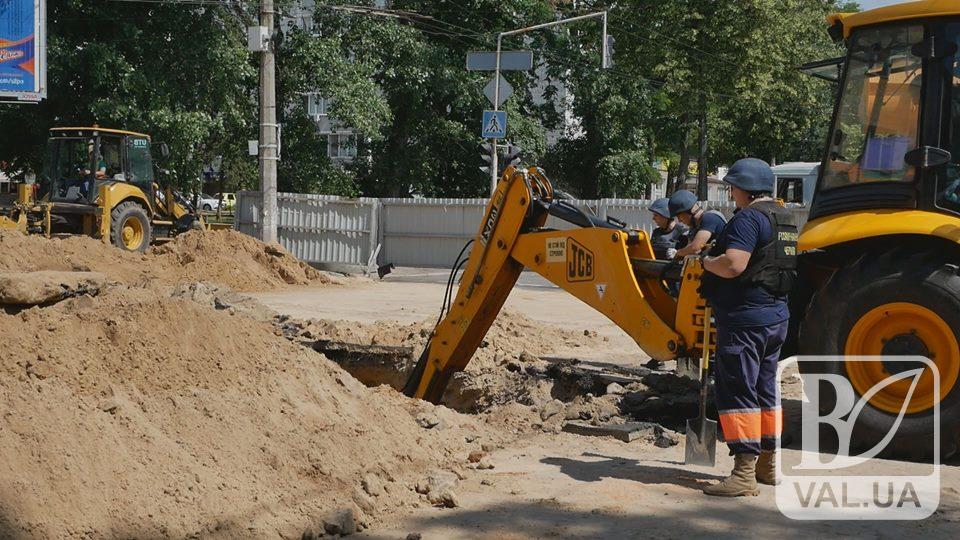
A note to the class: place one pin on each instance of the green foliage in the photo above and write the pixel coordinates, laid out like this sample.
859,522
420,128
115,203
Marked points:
181,72
309,170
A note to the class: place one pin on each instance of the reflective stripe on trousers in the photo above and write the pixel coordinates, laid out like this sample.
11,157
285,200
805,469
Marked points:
747,389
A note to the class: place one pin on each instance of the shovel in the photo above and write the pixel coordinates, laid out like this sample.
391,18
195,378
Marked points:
702,433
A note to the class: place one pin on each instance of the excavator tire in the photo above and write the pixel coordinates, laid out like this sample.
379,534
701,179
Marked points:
130,227
898,302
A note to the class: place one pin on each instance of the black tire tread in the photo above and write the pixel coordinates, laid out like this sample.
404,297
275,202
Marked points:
827,306
118,213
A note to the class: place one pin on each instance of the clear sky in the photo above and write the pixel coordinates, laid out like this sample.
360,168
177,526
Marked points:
870,4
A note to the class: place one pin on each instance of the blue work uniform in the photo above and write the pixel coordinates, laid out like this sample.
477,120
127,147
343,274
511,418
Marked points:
711,220
751,328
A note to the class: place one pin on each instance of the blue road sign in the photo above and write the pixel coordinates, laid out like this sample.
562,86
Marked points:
494,125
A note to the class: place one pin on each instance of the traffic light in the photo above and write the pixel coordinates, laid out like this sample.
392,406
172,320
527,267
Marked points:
486,154
511,157
608,52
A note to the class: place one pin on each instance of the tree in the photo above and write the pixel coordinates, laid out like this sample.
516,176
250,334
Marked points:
429,146
181,72
178,72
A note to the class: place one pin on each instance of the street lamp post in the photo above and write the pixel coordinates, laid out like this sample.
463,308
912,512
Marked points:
495,165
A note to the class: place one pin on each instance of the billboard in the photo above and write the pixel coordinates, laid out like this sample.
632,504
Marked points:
23,50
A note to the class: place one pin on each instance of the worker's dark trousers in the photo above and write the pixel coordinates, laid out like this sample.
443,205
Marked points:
747,389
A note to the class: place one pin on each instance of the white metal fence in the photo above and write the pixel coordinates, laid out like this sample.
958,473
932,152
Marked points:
341,233
326,231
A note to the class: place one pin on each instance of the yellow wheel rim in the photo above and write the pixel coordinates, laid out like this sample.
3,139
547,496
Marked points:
132,233
897,329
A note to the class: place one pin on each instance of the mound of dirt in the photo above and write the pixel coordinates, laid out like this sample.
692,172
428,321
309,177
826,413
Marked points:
137,414
227,257
236,260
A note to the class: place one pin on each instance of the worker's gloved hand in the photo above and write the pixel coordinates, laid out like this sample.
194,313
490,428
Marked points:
671,253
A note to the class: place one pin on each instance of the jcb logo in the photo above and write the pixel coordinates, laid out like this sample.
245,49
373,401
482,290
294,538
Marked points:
579,262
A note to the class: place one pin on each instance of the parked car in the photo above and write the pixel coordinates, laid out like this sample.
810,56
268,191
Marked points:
228,200
208,203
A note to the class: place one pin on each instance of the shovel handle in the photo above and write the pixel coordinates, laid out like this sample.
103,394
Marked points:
707,314
705,362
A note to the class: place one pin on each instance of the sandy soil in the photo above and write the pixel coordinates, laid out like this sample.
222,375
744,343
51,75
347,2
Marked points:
158,406
371,301
548,485
226,257
135,414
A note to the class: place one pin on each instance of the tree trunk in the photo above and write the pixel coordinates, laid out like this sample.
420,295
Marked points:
702,186
671,173
684,165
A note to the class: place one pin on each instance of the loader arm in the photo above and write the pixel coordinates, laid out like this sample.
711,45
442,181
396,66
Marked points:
605,265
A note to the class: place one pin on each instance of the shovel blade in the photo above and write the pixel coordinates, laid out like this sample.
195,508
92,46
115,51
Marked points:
701,446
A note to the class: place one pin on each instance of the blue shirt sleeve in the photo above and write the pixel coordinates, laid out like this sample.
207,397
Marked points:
746,231
711,223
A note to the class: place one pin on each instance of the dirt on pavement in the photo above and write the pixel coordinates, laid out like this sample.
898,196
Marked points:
164,404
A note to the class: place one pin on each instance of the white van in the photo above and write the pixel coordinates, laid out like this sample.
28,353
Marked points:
796,182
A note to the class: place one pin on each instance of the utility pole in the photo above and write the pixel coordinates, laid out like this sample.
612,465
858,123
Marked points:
268,129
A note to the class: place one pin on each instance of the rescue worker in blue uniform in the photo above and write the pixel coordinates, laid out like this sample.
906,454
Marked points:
704,224
749,271
669,235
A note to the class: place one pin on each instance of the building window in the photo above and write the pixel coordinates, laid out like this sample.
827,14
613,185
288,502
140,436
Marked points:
317,105
341,146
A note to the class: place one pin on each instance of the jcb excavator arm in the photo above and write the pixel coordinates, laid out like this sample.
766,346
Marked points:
604,264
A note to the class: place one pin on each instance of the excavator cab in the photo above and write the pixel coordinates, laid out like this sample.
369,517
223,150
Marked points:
78,161
895,139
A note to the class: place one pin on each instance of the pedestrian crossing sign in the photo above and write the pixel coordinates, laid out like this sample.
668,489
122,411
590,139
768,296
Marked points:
494,125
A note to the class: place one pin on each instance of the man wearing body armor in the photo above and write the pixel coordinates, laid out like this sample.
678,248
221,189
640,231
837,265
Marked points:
704,224
669,235
749,271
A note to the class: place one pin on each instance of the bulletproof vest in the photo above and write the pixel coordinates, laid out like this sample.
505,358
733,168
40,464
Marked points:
773,266
661,241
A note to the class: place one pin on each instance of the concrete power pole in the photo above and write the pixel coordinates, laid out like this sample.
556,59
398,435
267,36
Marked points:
268,129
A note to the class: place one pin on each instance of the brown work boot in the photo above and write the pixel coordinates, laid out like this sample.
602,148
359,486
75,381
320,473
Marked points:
741,482
767,468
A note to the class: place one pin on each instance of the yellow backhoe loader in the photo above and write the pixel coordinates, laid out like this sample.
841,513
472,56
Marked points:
102,183
880,256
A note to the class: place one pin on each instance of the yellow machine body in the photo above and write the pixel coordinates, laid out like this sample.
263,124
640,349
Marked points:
851,226
162,208
596,264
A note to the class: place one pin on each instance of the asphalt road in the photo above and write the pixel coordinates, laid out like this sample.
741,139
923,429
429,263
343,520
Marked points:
527,279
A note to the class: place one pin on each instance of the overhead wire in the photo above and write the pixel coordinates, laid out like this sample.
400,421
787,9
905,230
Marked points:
436,27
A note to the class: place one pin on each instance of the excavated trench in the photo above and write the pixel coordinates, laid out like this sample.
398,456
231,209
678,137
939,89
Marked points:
631,394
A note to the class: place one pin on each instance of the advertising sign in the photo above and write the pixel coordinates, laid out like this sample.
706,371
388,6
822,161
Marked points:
22,50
